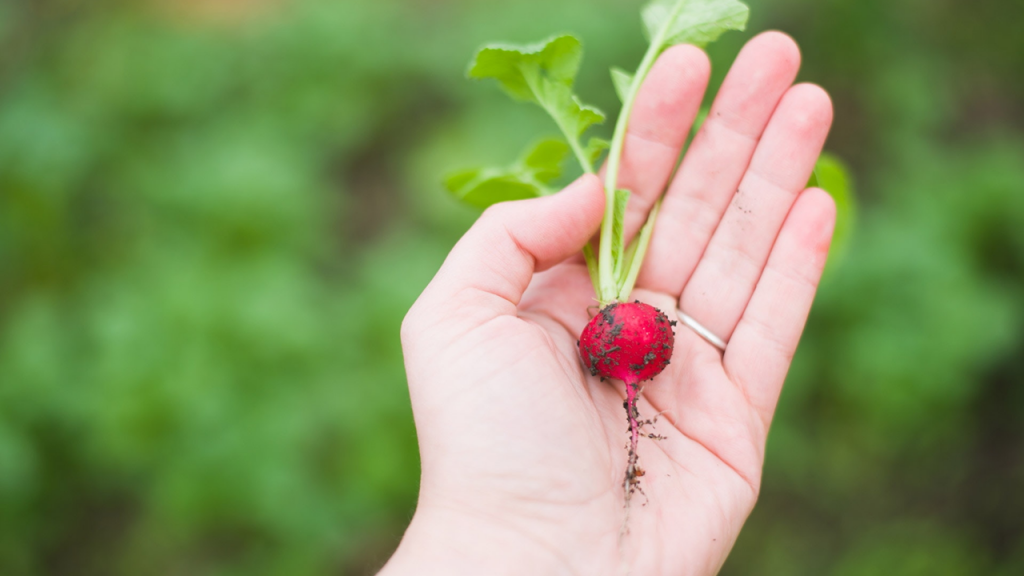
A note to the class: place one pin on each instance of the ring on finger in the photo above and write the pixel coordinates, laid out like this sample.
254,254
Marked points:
701,331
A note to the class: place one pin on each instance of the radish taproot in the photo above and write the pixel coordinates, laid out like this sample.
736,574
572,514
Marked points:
631,342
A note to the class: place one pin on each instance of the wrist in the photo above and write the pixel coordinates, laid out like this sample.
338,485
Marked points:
456,543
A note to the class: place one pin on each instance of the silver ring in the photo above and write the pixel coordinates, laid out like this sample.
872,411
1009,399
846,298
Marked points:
701,330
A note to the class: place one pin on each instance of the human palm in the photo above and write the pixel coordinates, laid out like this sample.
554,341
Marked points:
523,452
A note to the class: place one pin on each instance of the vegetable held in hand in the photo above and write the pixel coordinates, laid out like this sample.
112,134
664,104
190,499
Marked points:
631,342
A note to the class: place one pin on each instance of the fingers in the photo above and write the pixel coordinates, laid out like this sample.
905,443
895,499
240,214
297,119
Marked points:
720,287
762,347
487,271
662,115
717,159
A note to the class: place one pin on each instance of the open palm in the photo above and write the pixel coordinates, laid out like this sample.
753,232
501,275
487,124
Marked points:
523,452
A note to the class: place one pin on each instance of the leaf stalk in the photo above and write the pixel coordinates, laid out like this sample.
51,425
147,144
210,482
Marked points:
609,289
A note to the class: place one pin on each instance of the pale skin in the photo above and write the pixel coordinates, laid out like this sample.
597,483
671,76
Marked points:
523,452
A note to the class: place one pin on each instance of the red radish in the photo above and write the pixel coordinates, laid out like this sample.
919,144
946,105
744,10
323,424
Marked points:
630,342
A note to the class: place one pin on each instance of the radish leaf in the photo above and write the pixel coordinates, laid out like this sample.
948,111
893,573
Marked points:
622,81
543,73
618,221
484,187
698,22
831,175
544,160
526,178
595,146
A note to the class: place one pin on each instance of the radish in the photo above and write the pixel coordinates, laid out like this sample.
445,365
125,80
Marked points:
631,342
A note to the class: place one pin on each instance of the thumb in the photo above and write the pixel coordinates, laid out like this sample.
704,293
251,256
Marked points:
488,270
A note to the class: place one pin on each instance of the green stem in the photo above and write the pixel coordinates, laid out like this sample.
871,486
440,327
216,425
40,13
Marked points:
574,143
588,255
588,251
627,259
572,139
585,164
609,288
642,241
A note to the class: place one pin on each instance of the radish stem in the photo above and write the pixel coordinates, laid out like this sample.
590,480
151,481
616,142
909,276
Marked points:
609,289
637,258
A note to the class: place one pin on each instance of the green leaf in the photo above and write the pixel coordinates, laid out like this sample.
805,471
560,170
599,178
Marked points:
702,115
586,116
486,186
592,271
526,178
542,73
699,21
831,174
627,261
517,67
544,160
618,227
622,81
595,146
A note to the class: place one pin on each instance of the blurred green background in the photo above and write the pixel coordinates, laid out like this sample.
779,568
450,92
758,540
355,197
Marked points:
214,214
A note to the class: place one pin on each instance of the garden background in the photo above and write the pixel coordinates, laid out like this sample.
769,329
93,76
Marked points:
214,214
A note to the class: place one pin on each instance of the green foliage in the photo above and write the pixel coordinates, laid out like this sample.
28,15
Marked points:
832,175
696,22
527,178
621,80
595,148
543,73
618,230
210,230
186,371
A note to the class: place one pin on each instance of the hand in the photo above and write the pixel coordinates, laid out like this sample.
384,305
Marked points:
523,452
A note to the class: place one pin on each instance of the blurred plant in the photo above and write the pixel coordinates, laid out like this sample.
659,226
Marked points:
210,230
